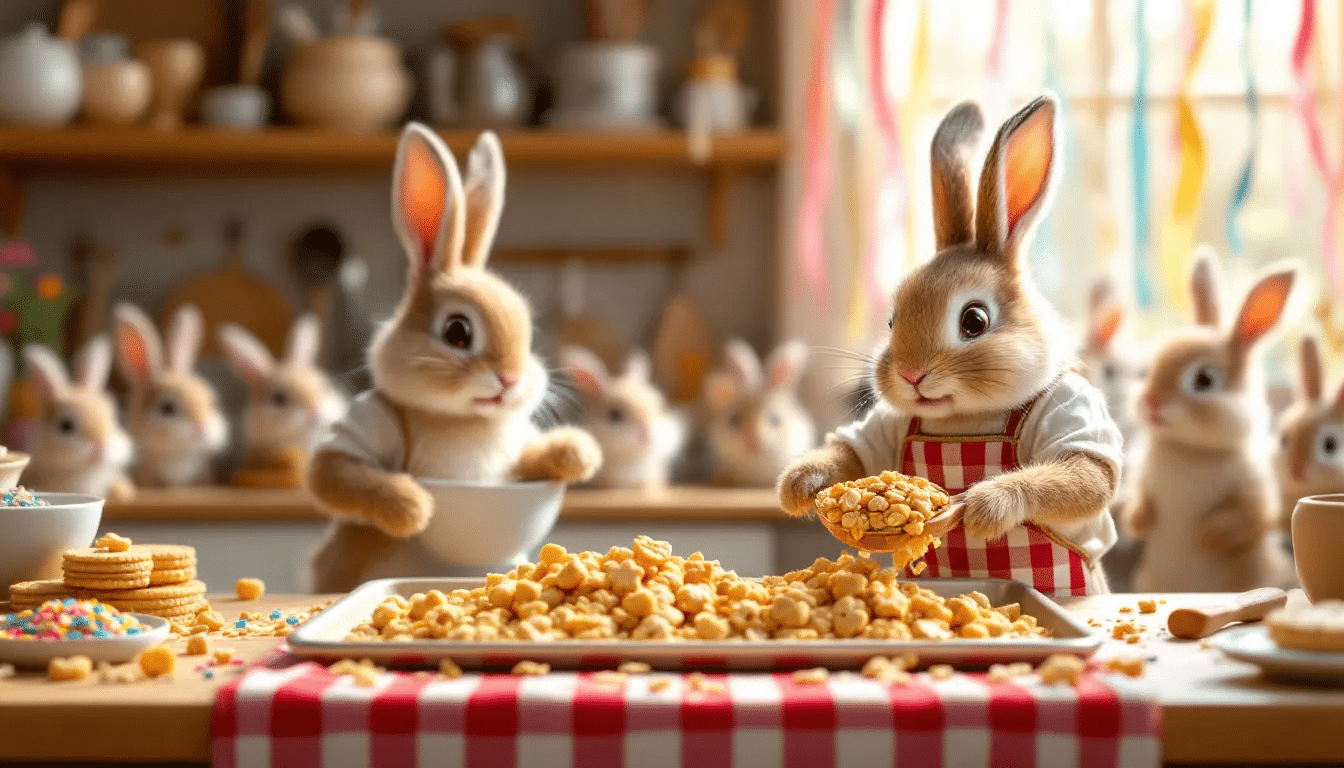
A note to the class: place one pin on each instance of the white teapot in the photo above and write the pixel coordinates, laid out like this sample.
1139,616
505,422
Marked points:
40,81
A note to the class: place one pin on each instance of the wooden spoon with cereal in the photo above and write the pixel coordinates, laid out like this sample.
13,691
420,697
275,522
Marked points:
890,513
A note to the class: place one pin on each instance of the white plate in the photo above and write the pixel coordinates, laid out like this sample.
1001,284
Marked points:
1253,644
36,653
323,637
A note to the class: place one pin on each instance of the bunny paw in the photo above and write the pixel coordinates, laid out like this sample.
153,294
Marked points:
799,485
567,454
992,509
405,508
1225,532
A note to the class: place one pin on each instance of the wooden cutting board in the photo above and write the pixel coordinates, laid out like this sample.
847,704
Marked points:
232,294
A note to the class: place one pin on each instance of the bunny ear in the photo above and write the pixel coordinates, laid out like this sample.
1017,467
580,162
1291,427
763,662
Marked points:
93,364
1015,184
720,390
785,365
305,340
1204,285
248,356
484,191
638,366
950,161
742,364
1104,326
1309,358
427,209
139,352
185,335
1263,308
586,369
46,370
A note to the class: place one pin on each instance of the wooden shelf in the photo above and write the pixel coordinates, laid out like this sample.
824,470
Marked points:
86,150
227,504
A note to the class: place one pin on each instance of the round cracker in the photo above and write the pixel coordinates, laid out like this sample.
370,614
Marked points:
168,578
170,553
178,605
42,588
101,556
149,594
110,569
104,583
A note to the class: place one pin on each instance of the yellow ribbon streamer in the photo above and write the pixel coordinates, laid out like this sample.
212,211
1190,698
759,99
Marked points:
915,104
1178,228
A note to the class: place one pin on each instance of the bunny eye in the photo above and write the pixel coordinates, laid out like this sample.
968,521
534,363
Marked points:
279,398
974,321
1329,446
66,426
167,407
735,419
1108,372
1203,380
616,415
891,323
457,331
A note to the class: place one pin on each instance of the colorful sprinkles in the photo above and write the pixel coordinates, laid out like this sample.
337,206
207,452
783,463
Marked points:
21,497
68,619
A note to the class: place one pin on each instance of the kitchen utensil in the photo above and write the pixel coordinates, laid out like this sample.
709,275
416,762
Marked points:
1318,538
232,294
97,266
40,81
892,542
317,262
1194,623
576,327
606,85
346,83
495,91
1253,645
683,346
114,650
175,66
441,85
323,637
256,34
76,19
38,536
298,25
713,100
208,22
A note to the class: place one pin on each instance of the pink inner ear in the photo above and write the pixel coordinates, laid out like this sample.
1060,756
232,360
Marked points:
424,194
1027,165
133,353
586,381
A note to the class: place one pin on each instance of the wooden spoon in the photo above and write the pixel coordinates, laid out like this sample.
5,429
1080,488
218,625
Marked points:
1194,623
76,18
255,36
892,542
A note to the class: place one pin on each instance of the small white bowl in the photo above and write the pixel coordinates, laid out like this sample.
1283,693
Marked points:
34,538
237,107
37,653
478,525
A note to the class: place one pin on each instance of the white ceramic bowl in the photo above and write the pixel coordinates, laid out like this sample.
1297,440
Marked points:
476,525
12,464
32,539
241,107
37,653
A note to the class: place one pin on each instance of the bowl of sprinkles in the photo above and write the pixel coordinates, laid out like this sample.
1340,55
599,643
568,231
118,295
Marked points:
70,627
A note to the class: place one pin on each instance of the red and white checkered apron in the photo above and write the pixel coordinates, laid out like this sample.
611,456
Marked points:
1028,553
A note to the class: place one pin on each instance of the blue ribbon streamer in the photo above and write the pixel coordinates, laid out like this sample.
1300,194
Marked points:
1243,188
1044,253
1138,147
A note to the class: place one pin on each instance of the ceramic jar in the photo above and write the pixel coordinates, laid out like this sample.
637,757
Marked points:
40,82
115,92
176,66
495,92
1318,540
346,83
604,85
239,107
713,99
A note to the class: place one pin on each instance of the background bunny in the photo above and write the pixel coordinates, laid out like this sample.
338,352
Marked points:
172,412
973,344
1310,458
79,445
1113,366
455,381
1205,500
291,402
640,437
756,423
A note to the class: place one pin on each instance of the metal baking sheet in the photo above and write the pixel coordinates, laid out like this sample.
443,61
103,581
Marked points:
323,638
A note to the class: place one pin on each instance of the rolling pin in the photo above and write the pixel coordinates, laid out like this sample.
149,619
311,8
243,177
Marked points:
1194,623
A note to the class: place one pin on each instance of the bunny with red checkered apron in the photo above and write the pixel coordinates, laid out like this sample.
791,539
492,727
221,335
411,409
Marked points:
977,391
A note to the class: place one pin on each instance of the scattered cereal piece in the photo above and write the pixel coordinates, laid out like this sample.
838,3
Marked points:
73,668
449,668
1130,665
198,645
159,660
365,677
113,543
1124,629
1126,609
1061,668
1134,639
634,668
659,683
223,655
531,668
609,677
814,676
1147,606
250,589
941,671
697,681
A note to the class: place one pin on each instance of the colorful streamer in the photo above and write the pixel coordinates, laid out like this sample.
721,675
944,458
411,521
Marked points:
818,169
884,236
1178,230
1138,146
916,103
1306,109
1044,257
853,133
995,72
1243,188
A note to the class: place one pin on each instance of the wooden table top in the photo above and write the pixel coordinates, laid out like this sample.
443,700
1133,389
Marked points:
1216,709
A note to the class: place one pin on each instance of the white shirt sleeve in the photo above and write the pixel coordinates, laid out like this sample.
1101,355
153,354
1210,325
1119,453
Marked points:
1071,418
370,433
876,438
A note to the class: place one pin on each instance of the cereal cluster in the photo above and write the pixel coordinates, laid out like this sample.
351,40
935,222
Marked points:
68,619
21,497
644,592
273,623
889,503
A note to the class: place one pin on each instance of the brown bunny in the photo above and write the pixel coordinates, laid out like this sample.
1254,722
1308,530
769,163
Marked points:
977,393
455,383
1205,500
1310,457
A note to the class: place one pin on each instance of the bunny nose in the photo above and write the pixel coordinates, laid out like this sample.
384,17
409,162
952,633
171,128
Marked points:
1152,401
913,376
506,381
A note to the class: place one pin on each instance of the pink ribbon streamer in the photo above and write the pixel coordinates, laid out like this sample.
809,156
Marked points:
818,170
889,203
1306,110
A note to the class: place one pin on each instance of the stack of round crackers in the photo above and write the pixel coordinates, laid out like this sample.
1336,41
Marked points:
157,579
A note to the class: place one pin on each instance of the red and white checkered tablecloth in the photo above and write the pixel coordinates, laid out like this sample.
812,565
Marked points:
287,714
